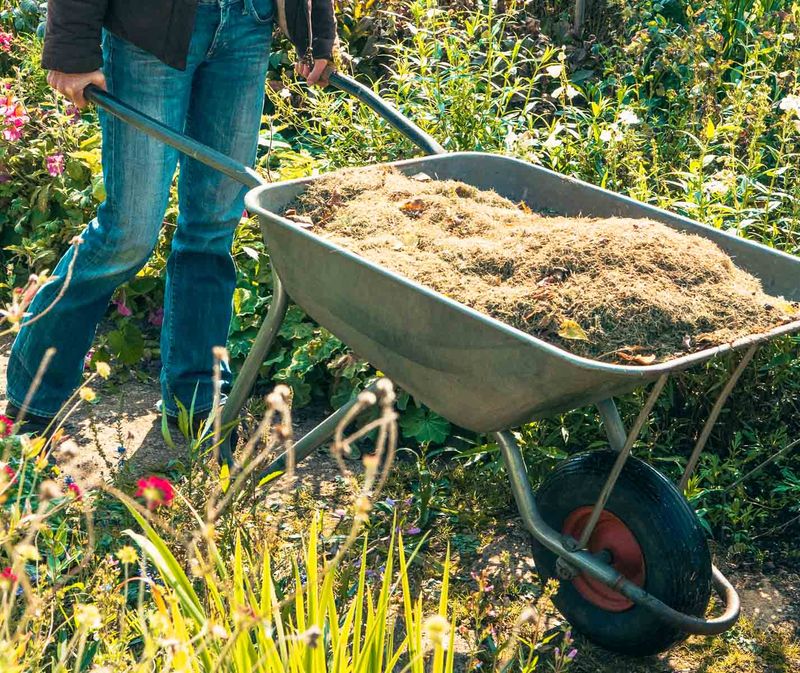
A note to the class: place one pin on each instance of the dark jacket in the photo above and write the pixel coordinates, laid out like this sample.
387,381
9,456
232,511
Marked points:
161,27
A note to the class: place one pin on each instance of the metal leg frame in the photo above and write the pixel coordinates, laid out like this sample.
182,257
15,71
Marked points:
258,353
585,562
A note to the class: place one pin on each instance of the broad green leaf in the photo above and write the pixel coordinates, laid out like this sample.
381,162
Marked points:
424,425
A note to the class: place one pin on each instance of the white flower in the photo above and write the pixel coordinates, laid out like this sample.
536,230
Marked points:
511,139
628,117
716,187
554,70
790,104
612,133
552,140
570,92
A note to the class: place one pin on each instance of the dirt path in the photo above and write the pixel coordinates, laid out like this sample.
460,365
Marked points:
124,415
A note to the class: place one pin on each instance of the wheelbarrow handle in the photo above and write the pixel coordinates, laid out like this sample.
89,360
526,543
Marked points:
182,143
409,129
234,169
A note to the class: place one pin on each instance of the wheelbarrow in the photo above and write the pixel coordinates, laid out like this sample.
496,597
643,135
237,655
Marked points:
632,559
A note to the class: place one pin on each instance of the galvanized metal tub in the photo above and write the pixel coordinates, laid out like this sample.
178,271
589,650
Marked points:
472,369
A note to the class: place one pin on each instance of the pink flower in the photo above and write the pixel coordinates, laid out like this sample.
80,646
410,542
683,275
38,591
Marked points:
156,318
13,117
5,41
5,426
9,471
12,134
55,164
156,491
122,308
75,490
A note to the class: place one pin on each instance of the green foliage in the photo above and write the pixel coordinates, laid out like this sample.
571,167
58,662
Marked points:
686,105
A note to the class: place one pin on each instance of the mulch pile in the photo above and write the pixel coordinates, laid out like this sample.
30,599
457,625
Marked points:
618,290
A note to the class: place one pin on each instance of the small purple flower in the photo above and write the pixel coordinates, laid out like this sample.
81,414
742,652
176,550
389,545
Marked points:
68,480
55,164
557,652
121,450
572,654
156,318
339,513
390,502
73,113
414,530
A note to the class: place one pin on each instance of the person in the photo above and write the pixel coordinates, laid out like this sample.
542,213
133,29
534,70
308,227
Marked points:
198,66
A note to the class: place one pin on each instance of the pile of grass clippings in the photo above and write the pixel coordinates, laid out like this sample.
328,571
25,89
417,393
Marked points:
618,290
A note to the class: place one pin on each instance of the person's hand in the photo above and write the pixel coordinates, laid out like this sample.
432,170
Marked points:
317,75
72,85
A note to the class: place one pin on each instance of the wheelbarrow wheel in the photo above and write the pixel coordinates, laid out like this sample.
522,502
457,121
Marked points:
647,532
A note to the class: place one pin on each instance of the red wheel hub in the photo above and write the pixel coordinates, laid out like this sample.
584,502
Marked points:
612,536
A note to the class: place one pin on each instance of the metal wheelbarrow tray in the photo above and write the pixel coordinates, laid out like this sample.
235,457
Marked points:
629,551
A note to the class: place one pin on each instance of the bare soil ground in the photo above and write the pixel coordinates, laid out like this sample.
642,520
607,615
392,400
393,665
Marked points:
766,641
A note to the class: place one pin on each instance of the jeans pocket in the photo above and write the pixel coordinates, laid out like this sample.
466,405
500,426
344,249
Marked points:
261,10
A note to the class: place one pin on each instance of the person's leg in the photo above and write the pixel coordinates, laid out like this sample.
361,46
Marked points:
225,113
137,172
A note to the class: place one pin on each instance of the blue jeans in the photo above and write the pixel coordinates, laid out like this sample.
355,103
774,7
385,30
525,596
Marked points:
218,100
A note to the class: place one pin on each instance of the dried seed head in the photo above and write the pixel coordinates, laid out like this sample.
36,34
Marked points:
436,628
363,506
49,490
280,397
311,637
528,616
367,398
385,390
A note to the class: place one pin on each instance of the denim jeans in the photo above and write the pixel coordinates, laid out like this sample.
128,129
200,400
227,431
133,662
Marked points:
218,100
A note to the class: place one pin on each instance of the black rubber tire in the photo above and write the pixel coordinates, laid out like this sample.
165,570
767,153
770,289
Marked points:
676,555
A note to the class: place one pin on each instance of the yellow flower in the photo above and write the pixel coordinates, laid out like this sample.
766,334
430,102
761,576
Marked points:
103,369
88,395
88,617
127,554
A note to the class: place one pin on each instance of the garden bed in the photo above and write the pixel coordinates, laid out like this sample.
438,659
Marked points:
619,290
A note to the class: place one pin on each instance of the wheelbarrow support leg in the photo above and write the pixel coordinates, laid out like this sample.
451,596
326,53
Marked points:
585,562
612,422
258,353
